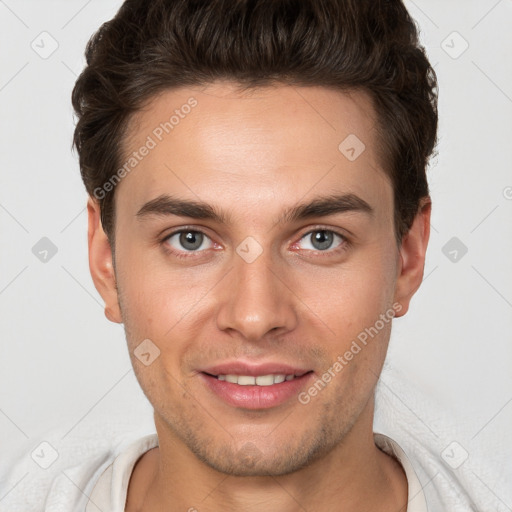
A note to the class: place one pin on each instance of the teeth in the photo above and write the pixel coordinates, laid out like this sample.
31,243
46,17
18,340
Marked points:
279,378
260,380
245,380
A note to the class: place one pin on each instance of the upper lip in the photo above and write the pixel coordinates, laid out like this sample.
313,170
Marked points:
254,369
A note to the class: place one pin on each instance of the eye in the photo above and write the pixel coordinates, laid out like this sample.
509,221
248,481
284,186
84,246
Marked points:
188,240
322,239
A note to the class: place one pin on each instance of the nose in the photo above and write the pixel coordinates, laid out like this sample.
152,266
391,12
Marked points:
256,299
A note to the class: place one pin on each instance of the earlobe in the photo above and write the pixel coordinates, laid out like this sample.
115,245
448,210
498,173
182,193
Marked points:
101,264
412,257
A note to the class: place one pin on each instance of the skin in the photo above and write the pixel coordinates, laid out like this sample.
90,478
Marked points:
252,155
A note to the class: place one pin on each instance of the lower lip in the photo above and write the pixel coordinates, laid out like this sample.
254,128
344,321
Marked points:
256,397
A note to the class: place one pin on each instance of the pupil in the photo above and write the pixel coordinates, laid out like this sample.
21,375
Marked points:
322,239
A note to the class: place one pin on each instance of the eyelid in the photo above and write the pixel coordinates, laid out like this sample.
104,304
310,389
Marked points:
338,231
182,229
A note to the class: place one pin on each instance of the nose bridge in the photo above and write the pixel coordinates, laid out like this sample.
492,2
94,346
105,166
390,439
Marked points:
255,299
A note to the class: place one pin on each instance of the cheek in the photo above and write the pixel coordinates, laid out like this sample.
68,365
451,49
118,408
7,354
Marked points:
353,295
146,310
162,305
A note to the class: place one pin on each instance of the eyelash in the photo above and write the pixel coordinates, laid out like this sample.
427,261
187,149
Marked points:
344,245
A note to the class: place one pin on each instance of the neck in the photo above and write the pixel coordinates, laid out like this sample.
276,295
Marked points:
355,474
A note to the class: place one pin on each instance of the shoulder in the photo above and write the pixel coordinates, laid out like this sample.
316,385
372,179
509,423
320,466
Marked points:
51,473
456,472
110,491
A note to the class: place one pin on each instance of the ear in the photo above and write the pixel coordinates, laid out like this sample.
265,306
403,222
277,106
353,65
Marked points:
412,257
100,262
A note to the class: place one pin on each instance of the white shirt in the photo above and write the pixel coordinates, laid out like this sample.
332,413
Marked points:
110,491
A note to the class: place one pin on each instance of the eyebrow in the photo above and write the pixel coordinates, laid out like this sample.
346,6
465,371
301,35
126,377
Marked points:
319,207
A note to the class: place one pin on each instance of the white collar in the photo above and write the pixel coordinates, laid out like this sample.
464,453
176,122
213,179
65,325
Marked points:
416,501
110,490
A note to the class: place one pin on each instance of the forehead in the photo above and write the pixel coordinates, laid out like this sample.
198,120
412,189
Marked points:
255,147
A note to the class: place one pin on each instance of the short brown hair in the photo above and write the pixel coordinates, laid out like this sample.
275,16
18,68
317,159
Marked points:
369,45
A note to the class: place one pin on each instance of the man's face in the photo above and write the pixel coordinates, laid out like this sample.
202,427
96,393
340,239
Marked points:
257,288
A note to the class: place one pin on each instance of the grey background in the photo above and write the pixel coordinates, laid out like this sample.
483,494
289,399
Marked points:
64,367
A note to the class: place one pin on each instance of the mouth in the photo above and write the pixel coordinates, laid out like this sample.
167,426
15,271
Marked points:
263,391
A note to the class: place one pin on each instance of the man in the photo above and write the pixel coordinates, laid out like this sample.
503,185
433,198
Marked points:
258,215
258,200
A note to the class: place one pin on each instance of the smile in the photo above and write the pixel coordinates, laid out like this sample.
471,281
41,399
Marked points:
256,391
